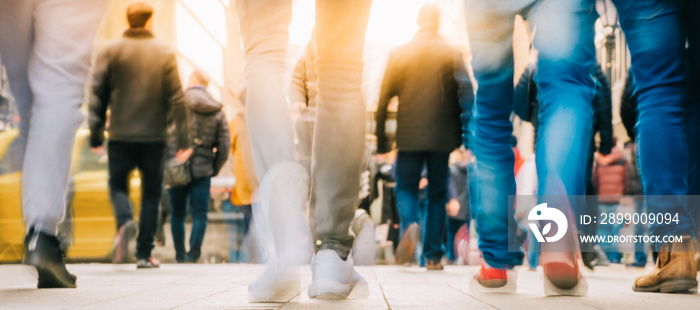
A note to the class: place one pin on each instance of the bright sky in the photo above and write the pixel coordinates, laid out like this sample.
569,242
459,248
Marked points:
391,22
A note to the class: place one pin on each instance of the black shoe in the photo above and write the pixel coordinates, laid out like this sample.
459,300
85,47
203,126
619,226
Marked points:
44,252
189,259
146,263
125,237
590,259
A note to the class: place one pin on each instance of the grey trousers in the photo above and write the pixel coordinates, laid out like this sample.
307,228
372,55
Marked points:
339,135
46,46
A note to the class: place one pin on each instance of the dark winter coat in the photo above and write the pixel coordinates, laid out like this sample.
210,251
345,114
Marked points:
136,77
209,133
430,80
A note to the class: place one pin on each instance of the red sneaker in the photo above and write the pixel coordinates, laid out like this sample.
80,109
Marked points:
562,276
491,277
494,280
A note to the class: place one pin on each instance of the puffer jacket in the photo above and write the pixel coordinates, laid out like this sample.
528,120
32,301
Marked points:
211,144
610,176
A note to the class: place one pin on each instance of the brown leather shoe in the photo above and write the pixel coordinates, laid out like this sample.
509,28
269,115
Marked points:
434,265
675,270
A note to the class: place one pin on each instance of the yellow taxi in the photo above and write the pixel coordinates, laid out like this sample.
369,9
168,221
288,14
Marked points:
90,223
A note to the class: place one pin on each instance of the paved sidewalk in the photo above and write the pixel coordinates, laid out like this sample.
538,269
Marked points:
221,286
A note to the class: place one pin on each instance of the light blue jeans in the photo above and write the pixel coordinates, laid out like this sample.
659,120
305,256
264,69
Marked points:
565,78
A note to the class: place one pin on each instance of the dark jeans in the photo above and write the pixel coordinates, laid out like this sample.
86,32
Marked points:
656,40
237,221
453,226
147,157
409,166
198,193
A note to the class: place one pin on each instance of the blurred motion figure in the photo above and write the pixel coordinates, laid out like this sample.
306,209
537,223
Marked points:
46,47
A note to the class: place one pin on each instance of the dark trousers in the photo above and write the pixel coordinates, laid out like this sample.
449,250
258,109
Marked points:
453,226
198,193
409,166
147,157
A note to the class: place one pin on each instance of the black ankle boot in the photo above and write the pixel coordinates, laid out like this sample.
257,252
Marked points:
44,252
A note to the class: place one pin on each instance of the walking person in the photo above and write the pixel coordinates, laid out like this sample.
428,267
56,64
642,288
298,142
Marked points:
338,146
246,183
666,135
458,206
609,178
210,140
46,47
428,76
136,78
564,39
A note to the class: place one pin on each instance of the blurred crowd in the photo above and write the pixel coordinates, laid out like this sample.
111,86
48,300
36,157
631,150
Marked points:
296,179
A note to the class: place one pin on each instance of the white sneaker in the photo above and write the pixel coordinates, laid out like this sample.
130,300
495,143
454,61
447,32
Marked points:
365,249
281,227
333,278
279,283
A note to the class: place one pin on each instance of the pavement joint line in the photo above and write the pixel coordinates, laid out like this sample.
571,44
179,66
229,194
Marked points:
470,295
205,297
295,296
101,301
589,305
381,287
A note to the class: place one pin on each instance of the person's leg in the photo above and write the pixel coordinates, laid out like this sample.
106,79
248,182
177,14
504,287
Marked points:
121,164
605,230
565,33
178,213
16,43
692,19
338,148
490,26
247,215
339,136
434,227
199,202
533,251
656,41
264,29
408,174
565,41
232,225
58,68
692,26
279,212
453,226
150,164
47,58
657,47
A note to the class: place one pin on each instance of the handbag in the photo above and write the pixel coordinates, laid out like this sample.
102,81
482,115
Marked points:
178,174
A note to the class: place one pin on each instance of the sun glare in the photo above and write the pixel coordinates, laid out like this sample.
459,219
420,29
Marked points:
391,22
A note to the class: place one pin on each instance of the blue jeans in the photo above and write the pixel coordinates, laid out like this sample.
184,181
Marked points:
692,11
409,166
533,250
453,226
198,193
656,41
237,221
565,78
640,253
